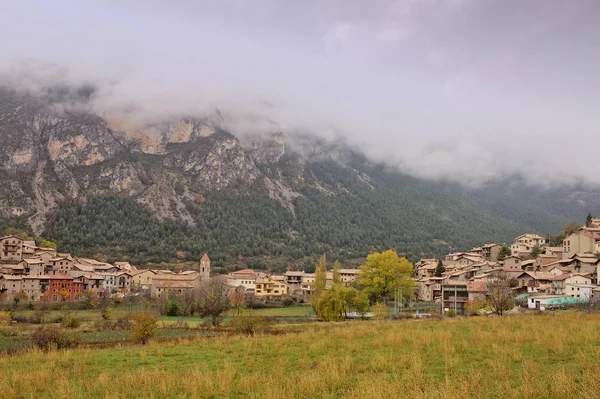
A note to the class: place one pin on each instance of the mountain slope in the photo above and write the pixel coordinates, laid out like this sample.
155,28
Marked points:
170,191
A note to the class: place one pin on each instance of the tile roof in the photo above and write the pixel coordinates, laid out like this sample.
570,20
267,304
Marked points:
477,286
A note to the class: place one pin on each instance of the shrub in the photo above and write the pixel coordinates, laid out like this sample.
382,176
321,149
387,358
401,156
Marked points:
104,325
172,308
71,322
402,316
475,308
144,327
451,313
123,323
5,318
106,312
251,325
287,301
52,337
379,311
180,324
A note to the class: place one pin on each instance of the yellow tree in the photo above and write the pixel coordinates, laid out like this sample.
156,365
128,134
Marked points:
336,272
320,283
384,273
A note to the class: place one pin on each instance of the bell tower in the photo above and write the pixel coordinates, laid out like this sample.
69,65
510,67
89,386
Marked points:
205,267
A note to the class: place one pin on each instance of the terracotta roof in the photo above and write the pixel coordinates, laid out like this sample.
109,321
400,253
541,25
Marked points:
84,268
59,277
349,271
175,277
561,277
33,261
140,271
205,257
294,273
249,276
476,286
104,267
10,277
11,236
490,245
541,275
91,276
173,284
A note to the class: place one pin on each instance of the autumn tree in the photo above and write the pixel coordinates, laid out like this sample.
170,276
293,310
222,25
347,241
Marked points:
144,327
570,228
320,283
504,253
440,269
213,300
500,295
385,273
337,279
333,303
238,301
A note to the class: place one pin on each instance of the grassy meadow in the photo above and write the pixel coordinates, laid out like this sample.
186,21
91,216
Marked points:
529,356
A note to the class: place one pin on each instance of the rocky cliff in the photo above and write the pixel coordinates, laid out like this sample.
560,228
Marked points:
296,197
52,154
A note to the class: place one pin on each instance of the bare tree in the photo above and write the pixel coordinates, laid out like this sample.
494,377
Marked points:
213,300
588,304
500,295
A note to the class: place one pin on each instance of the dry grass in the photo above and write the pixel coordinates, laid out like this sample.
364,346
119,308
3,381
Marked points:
551,356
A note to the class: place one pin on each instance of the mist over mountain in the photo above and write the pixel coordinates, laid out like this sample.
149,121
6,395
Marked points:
171,190
464,90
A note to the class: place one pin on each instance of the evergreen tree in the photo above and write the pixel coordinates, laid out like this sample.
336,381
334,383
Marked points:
588,220
440,269
504,252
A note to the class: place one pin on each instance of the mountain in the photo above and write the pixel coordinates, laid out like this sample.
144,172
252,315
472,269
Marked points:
108,186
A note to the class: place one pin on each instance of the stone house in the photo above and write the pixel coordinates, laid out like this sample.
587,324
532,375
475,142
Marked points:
525,243
11,249
141,279
164,285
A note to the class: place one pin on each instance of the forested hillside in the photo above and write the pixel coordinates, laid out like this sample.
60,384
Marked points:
391,210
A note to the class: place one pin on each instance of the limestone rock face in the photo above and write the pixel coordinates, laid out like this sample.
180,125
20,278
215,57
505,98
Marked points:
51,153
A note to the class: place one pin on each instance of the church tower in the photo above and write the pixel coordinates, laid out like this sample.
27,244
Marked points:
205,267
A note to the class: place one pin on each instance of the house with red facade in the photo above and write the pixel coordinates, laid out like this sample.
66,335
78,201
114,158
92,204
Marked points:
58,285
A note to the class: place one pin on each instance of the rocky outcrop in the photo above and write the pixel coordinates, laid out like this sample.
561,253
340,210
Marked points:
54,153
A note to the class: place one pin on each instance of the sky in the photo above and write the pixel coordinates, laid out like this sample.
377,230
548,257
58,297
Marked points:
467,90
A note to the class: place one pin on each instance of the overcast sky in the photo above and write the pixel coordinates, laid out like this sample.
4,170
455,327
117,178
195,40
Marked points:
462,89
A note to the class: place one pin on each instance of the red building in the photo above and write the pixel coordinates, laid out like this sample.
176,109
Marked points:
59,286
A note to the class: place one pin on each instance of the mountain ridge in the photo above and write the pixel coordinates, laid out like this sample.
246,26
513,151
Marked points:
322,196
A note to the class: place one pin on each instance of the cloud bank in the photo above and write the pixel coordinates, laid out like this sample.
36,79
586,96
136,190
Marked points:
468,90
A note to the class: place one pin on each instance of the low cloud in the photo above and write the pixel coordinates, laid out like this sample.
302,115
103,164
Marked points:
445,89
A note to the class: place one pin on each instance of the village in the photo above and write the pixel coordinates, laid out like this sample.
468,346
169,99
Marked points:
540,276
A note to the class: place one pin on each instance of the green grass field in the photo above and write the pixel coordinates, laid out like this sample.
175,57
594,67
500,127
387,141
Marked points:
287,314
549,356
